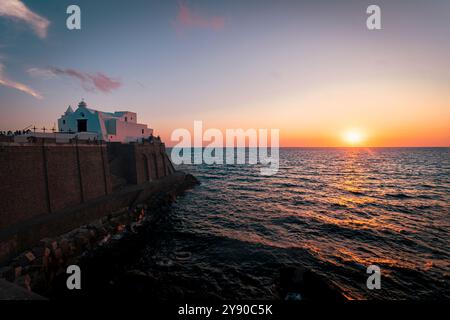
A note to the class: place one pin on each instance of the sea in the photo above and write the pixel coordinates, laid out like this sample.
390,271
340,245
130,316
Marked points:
334,211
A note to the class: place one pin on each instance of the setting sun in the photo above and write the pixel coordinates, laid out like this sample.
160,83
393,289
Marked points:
353,137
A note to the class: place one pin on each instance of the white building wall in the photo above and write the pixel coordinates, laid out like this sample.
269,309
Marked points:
69,122
108,126
128,132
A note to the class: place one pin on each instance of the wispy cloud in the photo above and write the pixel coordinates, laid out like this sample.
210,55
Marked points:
4,81
187,18
41,73
15,9
89,81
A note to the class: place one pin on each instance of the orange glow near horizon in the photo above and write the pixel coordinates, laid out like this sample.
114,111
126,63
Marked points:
402,137
353,137
372,114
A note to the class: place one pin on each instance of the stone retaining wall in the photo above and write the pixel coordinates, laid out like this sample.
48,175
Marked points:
36,267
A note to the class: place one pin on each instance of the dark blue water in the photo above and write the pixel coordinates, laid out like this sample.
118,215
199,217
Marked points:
335,211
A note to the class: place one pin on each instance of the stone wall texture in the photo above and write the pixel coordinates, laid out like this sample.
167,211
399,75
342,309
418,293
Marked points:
139,163
40,180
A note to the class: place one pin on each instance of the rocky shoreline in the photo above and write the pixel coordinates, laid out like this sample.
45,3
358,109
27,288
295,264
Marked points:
42,269
149,265
109,252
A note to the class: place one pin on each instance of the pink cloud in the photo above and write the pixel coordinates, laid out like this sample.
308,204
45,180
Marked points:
4,81
186,19
89,81
104,83
16,10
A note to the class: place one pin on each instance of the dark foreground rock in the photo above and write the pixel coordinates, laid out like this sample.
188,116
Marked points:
301,284
10,291
95,247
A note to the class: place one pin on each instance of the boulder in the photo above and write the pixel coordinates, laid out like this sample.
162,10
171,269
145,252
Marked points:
308,285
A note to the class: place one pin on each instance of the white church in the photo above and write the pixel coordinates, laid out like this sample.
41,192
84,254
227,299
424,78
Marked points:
119,126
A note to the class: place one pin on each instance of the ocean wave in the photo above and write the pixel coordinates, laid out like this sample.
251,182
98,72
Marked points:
332,210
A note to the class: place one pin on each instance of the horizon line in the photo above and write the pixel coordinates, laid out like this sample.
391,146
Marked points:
327,147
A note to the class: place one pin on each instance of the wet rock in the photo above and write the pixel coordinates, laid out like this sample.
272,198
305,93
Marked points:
7,273
295,296
17,272
308,284
30,256
318,287
58,254
117,237
54,245
47,252
10,291
24,282
83,238
291,279
141,206
65,247
136,227
190,180
38,281
21,261
38,251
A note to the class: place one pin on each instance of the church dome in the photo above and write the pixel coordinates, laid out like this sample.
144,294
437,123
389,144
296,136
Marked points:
82,104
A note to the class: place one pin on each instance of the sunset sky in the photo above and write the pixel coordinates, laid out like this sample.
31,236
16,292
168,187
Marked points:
310,69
